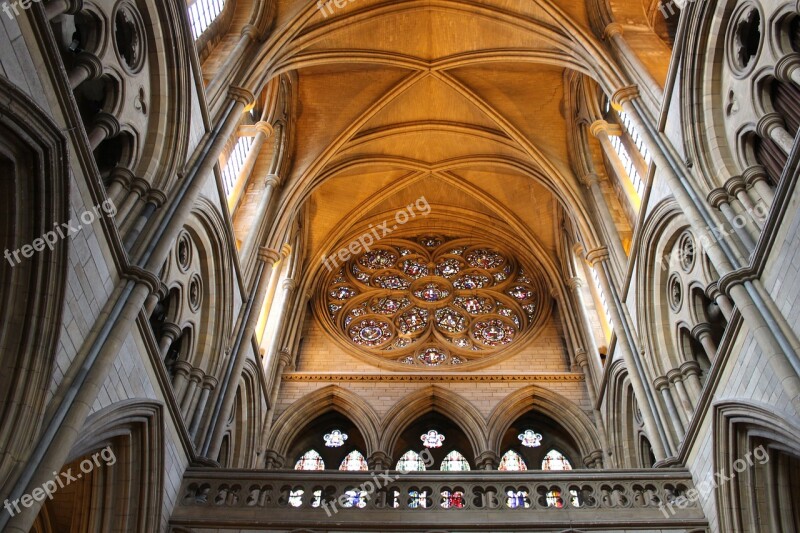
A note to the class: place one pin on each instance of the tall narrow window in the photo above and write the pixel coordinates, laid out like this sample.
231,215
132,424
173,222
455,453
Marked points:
311,460
235,163
512,462
202,13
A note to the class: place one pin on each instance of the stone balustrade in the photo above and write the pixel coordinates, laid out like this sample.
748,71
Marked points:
381,501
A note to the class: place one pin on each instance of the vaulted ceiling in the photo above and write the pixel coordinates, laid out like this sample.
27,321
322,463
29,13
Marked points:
461,102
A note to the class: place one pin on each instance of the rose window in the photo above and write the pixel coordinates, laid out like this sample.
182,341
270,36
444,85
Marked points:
432,302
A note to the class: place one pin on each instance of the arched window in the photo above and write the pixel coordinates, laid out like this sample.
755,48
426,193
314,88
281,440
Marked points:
411,462
555,460
354,462
454,462
202,13
311,460
512,462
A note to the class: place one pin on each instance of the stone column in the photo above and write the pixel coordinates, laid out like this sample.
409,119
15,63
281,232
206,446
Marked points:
267,258
766,329
575,285
702,332
118,182
289,285
104,126
169,333
487,461
138,188
676,378
264,131
771,126
691,378
155,199
273,460
51,449
259,218
722,301
180,380
55,8
756,177
87,67
592,182
787,69
719,199
379,461
615,33
195,377
208,385
248,36
598,259
284,360
662,385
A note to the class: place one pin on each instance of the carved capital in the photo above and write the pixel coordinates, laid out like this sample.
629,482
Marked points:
590,178
273,460
675,375
661,383
768,123
108,123
272,180
598,255
602,127
289,285
121,175
379,461
786,66
735,185
690,368
182,368
249,31
156,197
170,330
487,461
575,283
264,127
612,30
755,174
269,255
701,330
210,382
718,197
241,95
623,96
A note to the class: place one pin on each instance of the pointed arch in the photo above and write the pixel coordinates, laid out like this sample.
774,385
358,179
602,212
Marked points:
134,432
34,199
327,399
535,398
438,400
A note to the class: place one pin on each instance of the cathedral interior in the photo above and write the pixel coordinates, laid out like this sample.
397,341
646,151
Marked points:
360,266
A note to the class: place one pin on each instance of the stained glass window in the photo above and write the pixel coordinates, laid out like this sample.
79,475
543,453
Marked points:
433,301
410,462
432,439
311,460
555,460
354,462
452,499
512,462
356,498
530,438
554,499
417,499
518,499
296,497
335,439
454,462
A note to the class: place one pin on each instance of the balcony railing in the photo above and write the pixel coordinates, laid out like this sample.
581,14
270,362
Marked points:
390,500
